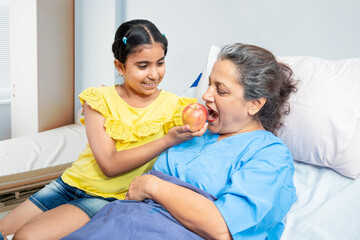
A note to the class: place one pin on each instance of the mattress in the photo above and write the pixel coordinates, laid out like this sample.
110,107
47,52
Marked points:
328,206
30,162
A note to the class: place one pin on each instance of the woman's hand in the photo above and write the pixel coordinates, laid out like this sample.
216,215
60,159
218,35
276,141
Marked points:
180,134
142,187
190,208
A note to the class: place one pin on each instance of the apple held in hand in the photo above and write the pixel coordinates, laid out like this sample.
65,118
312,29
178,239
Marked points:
194,115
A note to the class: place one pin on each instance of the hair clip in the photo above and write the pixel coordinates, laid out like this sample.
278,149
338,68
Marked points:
164,34
124,40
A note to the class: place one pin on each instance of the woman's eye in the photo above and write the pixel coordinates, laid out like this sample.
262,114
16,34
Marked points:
219,91
161,63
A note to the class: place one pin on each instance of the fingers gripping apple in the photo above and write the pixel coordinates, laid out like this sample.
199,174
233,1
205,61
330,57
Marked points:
194,115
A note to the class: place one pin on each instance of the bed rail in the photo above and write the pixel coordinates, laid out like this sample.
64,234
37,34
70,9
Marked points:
16,188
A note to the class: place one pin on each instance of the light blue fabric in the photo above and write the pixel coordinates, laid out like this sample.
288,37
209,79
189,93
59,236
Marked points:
250,174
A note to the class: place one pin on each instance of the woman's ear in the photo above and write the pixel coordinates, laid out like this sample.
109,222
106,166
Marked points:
256,105
119,67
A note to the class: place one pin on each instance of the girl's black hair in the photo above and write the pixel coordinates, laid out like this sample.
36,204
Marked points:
131,36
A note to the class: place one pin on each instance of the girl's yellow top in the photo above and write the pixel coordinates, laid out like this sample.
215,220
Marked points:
129,127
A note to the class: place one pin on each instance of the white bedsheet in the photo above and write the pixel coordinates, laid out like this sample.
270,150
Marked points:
328,206
46,149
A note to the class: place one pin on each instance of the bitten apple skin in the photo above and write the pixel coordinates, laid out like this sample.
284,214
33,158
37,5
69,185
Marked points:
194,115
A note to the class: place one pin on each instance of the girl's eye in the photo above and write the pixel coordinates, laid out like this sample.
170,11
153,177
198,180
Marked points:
161,63
142,66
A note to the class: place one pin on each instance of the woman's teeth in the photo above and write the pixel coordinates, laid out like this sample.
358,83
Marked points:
212,115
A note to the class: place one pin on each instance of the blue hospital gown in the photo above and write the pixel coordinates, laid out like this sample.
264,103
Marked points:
250,174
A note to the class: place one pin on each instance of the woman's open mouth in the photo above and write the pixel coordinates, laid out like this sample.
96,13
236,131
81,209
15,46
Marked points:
212,115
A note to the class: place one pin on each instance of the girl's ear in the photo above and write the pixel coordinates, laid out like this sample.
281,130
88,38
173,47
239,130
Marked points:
119,67
255,105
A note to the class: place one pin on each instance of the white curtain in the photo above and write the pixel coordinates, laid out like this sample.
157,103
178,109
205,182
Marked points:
4,52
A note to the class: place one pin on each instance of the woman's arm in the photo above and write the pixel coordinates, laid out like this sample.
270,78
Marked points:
191,209
113,162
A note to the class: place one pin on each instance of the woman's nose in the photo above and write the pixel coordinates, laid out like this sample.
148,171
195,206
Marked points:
208,97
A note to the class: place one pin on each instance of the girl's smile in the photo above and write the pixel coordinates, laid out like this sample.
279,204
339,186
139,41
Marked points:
143,71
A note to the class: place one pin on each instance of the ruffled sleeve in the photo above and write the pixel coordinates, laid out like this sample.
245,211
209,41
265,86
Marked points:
94,99
119,130
176,119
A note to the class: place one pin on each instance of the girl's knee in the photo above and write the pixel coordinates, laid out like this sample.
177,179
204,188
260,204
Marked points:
26,233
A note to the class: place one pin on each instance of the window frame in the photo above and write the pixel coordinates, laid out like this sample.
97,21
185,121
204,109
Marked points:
5,93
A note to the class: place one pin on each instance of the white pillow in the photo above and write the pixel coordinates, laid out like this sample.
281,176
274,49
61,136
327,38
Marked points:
204,80
322,128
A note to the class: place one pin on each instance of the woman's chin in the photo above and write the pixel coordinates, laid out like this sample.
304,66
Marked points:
213,128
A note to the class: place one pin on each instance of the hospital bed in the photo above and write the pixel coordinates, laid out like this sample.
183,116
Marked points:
30,162
322,132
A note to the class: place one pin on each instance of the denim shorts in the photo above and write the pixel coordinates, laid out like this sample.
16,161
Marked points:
58,193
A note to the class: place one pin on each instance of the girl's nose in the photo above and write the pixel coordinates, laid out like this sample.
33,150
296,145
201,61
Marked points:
153,73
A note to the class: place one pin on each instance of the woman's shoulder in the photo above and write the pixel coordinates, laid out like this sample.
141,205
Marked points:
271,147
271,139
262,136
260,144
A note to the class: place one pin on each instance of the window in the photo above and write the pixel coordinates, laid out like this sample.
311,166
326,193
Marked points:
4,52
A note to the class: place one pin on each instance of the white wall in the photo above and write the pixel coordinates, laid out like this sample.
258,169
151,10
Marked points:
94,34
322,28
327,29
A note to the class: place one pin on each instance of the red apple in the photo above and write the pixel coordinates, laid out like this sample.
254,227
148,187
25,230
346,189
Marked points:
194,115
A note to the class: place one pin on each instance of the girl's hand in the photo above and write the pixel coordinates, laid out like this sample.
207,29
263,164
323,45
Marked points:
142,187
181,134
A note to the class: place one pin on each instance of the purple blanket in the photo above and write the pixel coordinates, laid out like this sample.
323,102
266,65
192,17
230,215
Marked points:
123,219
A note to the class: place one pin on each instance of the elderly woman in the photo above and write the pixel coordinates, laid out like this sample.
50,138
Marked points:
235,181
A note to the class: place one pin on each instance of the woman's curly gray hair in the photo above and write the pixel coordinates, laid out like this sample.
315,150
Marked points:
261,75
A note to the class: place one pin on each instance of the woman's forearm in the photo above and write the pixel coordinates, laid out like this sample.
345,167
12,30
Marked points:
191,209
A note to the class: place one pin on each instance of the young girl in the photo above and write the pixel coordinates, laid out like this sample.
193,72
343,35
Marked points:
125,125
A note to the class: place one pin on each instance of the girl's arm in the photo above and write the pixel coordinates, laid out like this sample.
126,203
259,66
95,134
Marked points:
113,162
192,210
